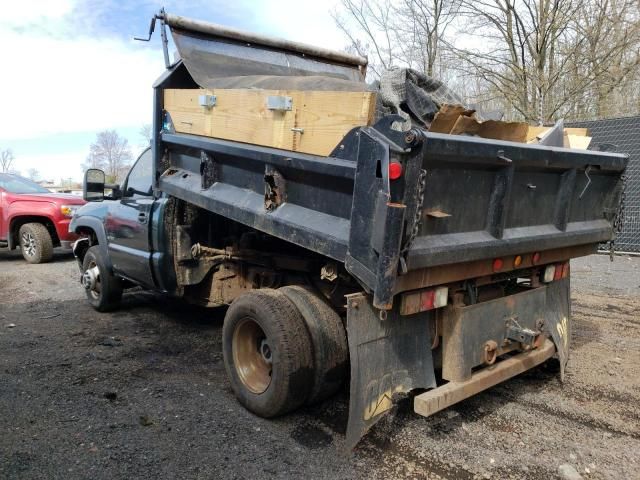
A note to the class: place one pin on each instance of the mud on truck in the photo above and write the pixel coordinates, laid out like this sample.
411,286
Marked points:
350,242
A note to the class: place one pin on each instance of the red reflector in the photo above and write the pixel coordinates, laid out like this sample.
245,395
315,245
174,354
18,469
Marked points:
536,258
497,264
395,170
565,270
427,300
558,274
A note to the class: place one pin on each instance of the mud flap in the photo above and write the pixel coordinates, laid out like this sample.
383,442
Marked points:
558,319
388,357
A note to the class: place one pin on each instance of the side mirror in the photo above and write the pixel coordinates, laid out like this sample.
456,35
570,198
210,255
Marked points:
116,193
93,185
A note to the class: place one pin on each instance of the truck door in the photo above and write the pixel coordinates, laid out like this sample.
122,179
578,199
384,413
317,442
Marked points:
127,224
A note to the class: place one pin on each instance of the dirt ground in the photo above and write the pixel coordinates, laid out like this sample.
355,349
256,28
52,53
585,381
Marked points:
142,393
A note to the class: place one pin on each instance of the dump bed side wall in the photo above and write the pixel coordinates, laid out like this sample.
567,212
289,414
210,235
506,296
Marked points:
297,197
489,198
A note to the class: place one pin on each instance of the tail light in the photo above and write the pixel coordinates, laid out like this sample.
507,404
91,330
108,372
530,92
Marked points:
423,300
395,170
497,264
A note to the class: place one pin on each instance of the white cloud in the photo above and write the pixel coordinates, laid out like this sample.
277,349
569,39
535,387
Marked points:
25,12
58,80
54,167
307,21
70,85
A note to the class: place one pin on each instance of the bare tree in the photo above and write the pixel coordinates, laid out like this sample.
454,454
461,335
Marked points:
6,160
549,58
111,153
145,134
33,174
400,33
537,60
611,49
427,25
371,30
512,46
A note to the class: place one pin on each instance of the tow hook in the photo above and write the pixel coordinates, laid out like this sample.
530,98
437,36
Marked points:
527,338
490,352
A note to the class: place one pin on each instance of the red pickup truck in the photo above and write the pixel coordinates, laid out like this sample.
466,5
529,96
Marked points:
34,218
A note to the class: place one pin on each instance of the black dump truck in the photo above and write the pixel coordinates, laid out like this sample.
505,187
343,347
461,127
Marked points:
402,260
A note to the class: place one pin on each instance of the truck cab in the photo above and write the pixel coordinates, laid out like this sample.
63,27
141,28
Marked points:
123,228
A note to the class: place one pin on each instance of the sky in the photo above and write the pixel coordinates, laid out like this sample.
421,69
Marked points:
71,68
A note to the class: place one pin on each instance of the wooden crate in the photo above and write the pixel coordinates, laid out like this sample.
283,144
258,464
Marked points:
242,115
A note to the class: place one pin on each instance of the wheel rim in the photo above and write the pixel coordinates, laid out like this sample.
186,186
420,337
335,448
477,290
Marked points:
252,355
91,280
29,244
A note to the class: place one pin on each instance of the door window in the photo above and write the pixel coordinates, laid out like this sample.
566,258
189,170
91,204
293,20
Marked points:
140,177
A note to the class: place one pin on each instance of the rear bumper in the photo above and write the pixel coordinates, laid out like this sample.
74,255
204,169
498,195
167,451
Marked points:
442,397
475,346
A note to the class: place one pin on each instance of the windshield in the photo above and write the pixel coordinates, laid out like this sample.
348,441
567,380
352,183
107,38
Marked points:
16,184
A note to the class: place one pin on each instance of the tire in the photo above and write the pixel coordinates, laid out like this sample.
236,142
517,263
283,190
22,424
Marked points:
35,243
267,353
104,291
328,339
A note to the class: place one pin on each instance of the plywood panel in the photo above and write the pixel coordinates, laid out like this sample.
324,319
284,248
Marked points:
577,141
241,115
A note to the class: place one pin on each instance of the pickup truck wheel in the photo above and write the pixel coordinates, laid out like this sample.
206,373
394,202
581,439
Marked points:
35,243
267,353
104,291
328,339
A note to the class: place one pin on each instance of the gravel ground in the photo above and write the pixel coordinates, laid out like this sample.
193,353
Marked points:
142,393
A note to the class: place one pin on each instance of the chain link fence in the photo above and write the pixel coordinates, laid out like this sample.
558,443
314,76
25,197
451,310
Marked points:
624,134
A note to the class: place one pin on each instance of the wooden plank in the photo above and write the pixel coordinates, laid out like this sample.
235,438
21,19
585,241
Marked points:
428,403
577,141
583,132
535,132
187,115
242,115
328,116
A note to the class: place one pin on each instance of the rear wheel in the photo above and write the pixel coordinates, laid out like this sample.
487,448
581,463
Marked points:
103,290
36,244
328,338
267,353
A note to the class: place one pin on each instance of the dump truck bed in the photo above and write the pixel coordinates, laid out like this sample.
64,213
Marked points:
450,199
480,199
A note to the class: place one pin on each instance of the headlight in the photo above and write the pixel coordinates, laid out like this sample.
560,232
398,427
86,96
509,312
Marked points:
68,210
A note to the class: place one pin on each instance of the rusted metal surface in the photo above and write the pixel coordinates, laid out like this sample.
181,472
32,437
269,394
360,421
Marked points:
490,352
440,398
221,31
275,193
442,274
467,330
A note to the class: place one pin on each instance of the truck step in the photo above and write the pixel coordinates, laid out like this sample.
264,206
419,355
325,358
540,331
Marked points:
428,403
